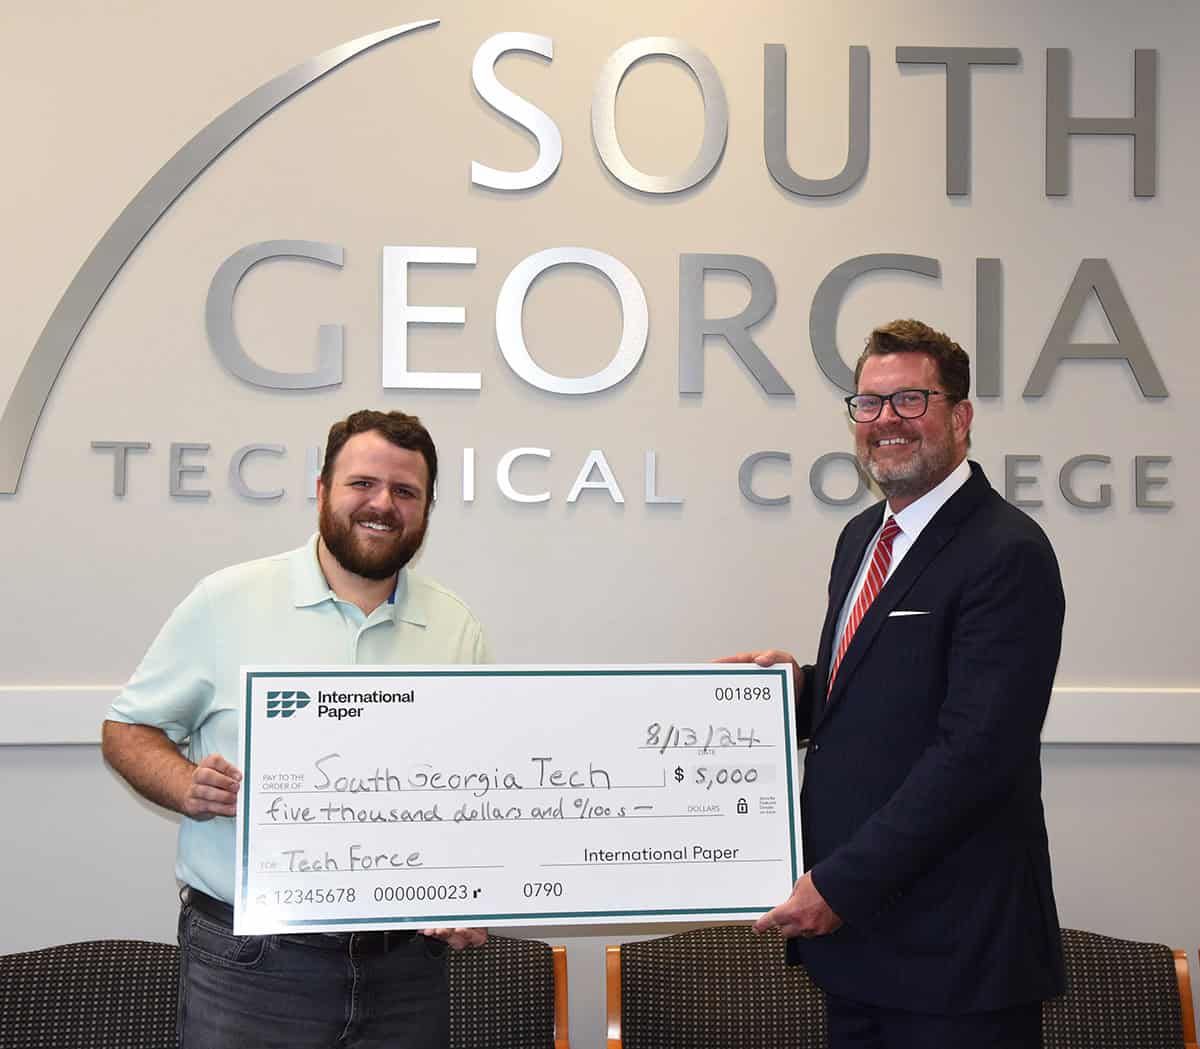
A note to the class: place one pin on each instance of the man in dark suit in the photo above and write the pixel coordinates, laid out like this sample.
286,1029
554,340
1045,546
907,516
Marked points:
927,912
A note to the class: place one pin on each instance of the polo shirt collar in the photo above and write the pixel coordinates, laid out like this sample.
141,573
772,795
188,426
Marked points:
310,587
407,603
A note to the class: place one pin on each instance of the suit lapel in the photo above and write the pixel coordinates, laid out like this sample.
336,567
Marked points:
845,571
934,536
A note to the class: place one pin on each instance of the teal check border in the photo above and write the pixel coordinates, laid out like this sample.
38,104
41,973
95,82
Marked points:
442,919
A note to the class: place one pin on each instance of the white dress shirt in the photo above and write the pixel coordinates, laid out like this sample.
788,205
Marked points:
912,521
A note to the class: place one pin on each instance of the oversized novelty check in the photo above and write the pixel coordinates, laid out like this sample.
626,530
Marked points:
413,797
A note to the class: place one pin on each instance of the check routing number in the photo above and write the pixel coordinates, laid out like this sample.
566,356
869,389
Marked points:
411,797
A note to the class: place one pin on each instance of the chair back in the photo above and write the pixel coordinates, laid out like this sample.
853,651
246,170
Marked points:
101,994
1122,994
722,986
508,994
123,994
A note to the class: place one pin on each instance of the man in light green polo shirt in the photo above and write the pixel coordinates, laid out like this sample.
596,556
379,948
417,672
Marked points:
344,597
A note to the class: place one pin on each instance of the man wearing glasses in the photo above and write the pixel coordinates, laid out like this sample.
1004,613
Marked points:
927,913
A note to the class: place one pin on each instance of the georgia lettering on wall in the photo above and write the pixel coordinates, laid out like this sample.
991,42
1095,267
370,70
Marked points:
1093,277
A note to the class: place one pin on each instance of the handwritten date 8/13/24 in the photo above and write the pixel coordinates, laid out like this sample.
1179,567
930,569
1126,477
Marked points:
705,739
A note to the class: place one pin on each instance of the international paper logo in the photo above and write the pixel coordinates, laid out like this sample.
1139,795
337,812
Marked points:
285,704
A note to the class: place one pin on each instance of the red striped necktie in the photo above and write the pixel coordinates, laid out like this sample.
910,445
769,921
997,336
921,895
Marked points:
881,560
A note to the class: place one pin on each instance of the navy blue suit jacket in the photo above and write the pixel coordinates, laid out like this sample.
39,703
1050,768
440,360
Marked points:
922,811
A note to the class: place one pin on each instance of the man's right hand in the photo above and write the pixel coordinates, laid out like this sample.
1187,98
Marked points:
767,658
213,790
152,765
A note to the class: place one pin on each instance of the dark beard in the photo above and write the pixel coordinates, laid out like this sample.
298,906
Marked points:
340,540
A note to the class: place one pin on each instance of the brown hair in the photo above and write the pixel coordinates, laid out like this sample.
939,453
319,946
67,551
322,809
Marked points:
911,336
404,431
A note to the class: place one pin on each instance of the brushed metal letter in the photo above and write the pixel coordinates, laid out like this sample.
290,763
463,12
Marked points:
816,479
746,479
652,496
958,62
694,326
179,469
1096,275
1014,479
504,475
120,450
1142,126
1066,483
635,320
604,114
238,483
218,318
468,475
1143,481
398,315
827,303
775,136
606,482
989,316
513,106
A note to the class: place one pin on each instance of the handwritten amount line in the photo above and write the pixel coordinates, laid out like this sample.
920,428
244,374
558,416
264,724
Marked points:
452,821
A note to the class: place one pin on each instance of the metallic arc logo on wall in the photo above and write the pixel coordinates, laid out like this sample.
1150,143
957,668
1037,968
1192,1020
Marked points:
112,251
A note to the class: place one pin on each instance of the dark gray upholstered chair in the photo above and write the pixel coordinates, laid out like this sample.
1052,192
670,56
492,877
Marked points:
509,994
106,994
727,987
1121,994
717,988
121,994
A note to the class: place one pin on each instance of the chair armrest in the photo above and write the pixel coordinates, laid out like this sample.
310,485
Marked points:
562,1037
612,970
1185,999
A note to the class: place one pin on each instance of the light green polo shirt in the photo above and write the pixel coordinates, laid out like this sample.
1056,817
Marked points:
278,611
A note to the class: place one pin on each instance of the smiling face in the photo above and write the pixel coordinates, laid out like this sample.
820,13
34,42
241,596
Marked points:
375,507
909,457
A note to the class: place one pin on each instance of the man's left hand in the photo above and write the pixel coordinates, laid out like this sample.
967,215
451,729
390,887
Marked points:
458,938
805,913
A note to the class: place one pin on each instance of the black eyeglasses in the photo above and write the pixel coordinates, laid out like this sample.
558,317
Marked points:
908,404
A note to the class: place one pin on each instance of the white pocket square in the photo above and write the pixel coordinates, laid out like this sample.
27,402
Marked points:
906,613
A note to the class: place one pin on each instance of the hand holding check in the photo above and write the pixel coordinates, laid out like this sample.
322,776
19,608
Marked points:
769,658
804,913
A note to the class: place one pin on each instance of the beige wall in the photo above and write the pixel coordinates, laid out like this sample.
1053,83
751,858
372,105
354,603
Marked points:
95,98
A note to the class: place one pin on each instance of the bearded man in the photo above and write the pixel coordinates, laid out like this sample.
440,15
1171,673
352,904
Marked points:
346,596
927,912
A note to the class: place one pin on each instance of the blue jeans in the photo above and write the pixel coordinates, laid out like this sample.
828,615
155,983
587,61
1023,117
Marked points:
282,992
